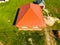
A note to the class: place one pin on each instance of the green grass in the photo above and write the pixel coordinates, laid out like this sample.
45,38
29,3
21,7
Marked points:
8,32
12,37
53,7
8,11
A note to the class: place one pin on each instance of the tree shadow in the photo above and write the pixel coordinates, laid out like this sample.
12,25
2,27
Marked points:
55,32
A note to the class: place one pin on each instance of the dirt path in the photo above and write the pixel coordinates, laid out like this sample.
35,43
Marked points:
50,40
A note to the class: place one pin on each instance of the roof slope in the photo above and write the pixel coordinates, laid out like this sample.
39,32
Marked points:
30,15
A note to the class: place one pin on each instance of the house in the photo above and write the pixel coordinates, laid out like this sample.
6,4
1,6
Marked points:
30,17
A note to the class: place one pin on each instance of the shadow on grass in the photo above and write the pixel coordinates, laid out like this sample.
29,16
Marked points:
16,16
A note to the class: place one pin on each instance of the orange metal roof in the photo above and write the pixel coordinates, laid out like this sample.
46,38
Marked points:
30,15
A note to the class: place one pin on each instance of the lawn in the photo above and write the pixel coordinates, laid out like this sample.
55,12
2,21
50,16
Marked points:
53,7
8,32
